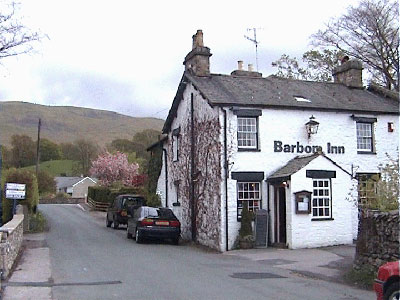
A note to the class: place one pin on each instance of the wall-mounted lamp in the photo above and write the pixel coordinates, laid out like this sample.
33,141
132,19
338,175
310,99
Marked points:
312,126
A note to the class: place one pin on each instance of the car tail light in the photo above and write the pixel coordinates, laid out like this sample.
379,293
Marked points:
174,223
147,222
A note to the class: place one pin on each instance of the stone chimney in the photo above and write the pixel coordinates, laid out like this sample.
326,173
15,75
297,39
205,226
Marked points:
198,60
244,73
349,73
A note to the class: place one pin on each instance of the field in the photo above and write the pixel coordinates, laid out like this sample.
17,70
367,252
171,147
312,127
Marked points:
57,167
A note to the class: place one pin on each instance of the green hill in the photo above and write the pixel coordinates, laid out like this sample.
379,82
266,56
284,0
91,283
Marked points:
68,123
56,167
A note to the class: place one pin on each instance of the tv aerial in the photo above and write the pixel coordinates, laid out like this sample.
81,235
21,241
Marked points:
255,41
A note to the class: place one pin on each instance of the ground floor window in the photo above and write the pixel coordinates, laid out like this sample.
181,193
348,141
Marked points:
321,199
367,188
249,192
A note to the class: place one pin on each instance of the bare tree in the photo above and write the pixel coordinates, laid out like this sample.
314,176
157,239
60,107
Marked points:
315,65
369,32
15,38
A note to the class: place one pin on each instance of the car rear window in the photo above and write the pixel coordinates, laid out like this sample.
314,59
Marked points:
128,201
160,213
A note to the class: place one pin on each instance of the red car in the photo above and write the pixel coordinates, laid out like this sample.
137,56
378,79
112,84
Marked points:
387,283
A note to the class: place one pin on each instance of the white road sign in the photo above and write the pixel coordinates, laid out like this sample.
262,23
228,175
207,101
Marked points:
15,191
11,194
15,186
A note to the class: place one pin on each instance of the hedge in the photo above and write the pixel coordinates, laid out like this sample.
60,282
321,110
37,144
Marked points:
107,195
32,192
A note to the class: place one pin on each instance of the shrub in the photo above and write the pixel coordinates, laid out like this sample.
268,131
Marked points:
46,183
32,191
37,223
152,199
62,195
245,223
99,194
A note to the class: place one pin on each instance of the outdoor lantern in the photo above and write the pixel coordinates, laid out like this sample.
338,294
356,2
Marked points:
312,126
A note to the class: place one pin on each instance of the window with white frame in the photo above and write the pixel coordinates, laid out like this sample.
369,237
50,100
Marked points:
367,188
249,192
365,137
321,199
247,133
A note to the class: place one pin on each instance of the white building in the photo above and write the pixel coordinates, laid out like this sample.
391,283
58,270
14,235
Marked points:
243,137
76,187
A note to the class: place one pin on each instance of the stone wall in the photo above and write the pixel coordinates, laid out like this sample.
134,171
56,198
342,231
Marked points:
378,240
11,235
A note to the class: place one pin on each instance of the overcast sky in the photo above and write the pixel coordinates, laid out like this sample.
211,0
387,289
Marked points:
126,56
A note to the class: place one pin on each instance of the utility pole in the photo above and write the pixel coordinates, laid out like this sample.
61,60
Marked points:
38,150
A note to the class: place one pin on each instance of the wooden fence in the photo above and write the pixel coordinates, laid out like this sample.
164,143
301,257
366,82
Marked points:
100,206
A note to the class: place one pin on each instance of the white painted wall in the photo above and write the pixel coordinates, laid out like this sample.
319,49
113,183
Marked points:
288,126
308,234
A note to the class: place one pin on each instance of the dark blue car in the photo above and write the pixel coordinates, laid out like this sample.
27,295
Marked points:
153,223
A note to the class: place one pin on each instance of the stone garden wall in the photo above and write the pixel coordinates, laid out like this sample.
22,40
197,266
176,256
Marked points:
11,235
378,240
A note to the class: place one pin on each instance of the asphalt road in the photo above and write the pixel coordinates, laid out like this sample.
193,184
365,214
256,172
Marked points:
90,261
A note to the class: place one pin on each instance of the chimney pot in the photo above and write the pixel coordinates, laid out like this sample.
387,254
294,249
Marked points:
250,67
198,39
240,65
349,73
198,60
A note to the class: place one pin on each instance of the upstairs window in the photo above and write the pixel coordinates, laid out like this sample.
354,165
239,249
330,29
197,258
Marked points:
365,137
247,133
247,129
365,134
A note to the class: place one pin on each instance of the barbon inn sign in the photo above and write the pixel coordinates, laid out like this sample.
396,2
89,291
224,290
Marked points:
279,146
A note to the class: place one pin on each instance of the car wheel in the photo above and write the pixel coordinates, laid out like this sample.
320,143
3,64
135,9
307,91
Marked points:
128,234
138,237
393,292
115,224
176,240
108,223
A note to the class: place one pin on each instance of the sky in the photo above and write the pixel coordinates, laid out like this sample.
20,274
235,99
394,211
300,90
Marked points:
127,56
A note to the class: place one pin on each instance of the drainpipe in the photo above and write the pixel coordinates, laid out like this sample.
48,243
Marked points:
166,176
269,217
226,180
192,166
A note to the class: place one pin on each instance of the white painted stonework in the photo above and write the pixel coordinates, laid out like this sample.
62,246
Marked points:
287,127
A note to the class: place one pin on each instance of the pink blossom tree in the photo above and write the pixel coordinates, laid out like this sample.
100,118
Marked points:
110,168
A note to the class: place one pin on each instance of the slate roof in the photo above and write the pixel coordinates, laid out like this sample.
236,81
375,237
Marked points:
292,166
296,164
64,182
276,92
281,92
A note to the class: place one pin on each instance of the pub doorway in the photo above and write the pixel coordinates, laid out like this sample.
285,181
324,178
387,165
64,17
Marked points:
280,216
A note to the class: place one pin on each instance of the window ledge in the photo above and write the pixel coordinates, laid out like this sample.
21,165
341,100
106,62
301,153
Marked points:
324,219
366,152
248,150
